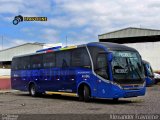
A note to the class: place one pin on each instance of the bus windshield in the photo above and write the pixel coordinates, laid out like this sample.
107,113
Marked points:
127,65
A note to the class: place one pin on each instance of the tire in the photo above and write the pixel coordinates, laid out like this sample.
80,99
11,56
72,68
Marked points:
81,97
32,90
86,94
115,99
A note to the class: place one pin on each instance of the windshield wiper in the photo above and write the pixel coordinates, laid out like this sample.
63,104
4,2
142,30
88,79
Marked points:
133,67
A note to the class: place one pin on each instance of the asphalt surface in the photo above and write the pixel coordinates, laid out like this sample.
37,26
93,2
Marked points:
21,103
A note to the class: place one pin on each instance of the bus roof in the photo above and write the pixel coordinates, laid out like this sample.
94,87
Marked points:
145,62
110,46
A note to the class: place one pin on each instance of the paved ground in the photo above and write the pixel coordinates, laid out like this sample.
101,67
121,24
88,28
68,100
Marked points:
21,103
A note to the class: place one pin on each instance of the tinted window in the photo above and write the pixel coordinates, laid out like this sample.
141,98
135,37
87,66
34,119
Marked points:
25,62
63,59
80,58
49,60
102,68
36,61
94,51
15,64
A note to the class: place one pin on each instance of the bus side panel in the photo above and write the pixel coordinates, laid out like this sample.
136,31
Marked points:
85,76
98,87
44,79
51,80
17,82
54,79
68,80
58,79
104,89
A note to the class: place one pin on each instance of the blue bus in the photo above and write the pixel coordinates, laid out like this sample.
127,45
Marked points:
148,73
93,70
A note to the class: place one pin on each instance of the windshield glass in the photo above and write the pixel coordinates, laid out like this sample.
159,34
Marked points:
127,65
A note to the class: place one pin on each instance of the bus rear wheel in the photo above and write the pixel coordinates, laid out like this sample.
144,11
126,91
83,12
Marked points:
115,99
32,90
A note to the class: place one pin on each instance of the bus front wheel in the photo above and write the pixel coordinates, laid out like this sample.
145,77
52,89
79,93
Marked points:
86,94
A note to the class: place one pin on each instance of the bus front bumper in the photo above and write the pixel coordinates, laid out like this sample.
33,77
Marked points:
120,92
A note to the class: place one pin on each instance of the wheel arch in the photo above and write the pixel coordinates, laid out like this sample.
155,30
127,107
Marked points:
30,83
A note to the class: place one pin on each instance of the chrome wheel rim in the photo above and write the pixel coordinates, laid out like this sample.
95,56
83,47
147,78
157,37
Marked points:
32,91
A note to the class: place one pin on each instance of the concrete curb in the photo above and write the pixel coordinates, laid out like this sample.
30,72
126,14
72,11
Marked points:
8,91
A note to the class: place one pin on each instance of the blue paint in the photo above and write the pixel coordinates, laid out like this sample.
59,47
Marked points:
148,73
149,81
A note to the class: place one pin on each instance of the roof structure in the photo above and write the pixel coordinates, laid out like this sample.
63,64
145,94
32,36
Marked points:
130,32
36,43
7,54
128,35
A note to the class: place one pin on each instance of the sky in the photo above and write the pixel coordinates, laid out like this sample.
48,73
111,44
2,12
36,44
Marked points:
80,20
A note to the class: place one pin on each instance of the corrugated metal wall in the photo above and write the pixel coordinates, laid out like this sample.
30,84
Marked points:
129,32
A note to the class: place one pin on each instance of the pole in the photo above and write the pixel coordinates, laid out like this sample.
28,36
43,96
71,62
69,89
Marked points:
2,42
66,40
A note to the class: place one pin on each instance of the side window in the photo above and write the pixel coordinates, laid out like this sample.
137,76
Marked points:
94,51
19,67
20,63
102,68
80,58
25,62
49,60
15,64
36,61
63,59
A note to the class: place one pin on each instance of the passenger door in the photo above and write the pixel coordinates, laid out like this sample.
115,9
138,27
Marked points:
102,75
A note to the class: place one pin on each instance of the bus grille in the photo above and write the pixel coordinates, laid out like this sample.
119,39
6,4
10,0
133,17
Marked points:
131,94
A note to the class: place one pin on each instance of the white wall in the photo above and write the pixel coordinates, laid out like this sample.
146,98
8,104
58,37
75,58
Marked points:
5,72
8,54
150,51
